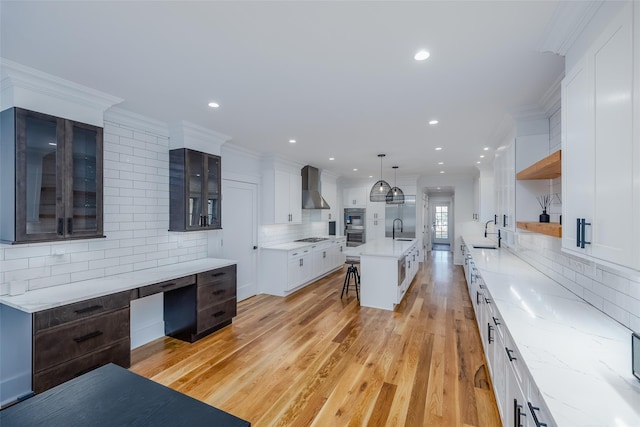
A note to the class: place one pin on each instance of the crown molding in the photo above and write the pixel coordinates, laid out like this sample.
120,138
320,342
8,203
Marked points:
528,112
122,117
28,88
243,151
568,21
550,100
184,134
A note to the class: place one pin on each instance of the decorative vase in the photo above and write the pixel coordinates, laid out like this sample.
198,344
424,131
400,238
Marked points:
544,216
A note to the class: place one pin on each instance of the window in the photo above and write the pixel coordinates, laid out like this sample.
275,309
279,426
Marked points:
442,222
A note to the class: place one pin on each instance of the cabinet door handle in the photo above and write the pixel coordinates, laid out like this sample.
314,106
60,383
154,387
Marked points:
495,219
218,292
60,226
511,358
324,254
578,232
489,329
88,309
533,410
504,220
219,313
495,320
583,224
477,296
69,225
518,413
300,262
487,300
87,337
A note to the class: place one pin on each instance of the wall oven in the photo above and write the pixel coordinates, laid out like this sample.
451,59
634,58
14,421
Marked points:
355,226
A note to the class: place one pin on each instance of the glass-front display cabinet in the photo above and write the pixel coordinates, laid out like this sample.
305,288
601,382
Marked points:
194,184
51,178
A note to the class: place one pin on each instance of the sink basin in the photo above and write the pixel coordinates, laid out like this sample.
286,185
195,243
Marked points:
404,240
485,246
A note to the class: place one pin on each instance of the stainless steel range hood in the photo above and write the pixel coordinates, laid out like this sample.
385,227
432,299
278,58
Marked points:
311,197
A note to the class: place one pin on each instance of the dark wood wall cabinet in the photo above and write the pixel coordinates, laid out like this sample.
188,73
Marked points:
194,190
51,178
75,338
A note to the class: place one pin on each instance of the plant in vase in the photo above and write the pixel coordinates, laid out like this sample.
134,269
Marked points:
544,201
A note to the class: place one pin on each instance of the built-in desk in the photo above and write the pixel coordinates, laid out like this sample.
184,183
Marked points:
113,396
51,335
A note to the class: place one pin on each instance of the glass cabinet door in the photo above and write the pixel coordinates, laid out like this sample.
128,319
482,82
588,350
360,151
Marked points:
84,184
195,171
40,152
213,192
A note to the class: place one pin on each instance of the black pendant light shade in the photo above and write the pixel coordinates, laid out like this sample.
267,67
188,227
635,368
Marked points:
395,196
381,188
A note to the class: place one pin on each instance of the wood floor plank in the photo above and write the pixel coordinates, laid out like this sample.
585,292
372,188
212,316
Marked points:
315,359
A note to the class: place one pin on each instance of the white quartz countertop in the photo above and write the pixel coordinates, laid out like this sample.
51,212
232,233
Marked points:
579,358
385,247
55,296
298,245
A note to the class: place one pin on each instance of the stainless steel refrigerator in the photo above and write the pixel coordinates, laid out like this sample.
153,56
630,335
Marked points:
406,212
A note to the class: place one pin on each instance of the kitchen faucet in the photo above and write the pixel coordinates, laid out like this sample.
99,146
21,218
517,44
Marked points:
393,232
498,233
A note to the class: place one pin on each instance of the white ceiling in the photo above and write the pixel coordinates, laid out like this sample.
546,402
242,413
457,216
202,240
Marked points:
339,77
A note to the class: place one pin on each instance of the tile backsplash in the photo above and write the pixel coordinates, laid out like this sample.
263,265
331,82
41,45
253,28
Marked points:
136,220
614,292
283,233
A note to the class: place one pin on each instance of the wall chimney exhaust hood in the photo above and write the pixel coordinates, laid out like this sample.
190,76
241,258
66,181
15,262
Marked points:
311,197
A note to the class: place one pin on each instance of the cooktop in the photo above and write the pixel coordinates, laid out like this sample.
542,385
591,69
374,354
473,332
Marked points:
312,239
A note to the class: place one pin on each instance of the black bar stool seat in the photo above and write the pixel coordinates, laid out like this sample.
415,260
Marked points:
352,271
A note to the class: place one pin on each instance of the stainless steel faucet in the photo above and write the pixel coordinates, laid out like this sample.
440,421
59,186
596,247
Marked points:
393,232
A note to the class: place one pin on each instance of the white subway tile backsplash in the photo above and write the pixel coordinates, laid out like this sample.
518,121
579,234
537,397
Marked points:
14,264
71,267
87,275
593,299
616,282
46,282
145,264
125,268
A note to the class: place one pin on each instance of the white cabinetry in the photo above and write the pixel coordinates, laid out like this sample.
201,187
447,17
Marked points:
600,169
505,182
483,192
375,220
282,196
355,197
299,268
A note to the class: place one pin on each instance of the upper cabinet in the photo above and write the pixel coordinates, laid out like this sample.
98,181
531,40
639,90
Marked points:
282,194
194,187
51,178
355,197
600,163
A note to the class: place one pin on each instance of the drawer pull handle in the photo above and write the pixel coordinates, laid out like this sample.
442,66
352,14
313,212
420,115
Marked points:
88,309
217,274
533,410
219,313
167,285
495,320
218,292
511,358
87,337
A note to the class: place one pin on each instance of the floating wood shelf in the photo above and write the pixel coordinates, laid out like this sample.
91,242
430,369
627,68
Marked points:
553,229
547,168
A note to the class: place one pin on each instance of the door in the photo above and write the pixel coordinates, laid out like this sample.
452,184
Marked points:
441,230
239,216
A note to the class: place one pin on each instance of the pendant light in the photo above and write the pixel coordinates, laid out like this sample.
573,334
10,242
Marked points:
395,196
381,188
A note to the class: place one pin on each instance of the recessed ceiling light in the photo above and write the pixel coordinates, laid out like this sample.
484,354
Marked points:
438,148
292,141
355,169
438,188
441,171
332,158
421,55
370,176
214,105
486,148
482,156
433,122
478,162
441,163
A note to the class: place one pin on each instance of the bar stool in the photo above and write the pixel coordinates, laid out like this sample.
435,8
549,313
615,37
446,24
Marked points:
352,271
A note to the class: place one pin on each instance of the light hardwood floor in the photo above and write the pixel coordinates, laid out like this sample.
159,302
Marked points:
313,359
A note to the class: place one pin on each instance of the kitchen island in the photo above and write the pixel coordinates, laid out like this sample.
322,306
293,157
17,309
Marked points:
387,267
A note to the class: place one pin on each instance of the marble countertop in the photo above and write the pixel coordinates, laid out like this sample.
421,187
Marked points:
55,296
385,247
578,357
297,245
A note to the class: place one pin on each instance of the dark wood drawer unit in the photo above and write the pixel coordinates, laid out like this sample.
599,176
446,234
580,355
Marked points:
119,353
69,340
167,286
191,313
216,315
